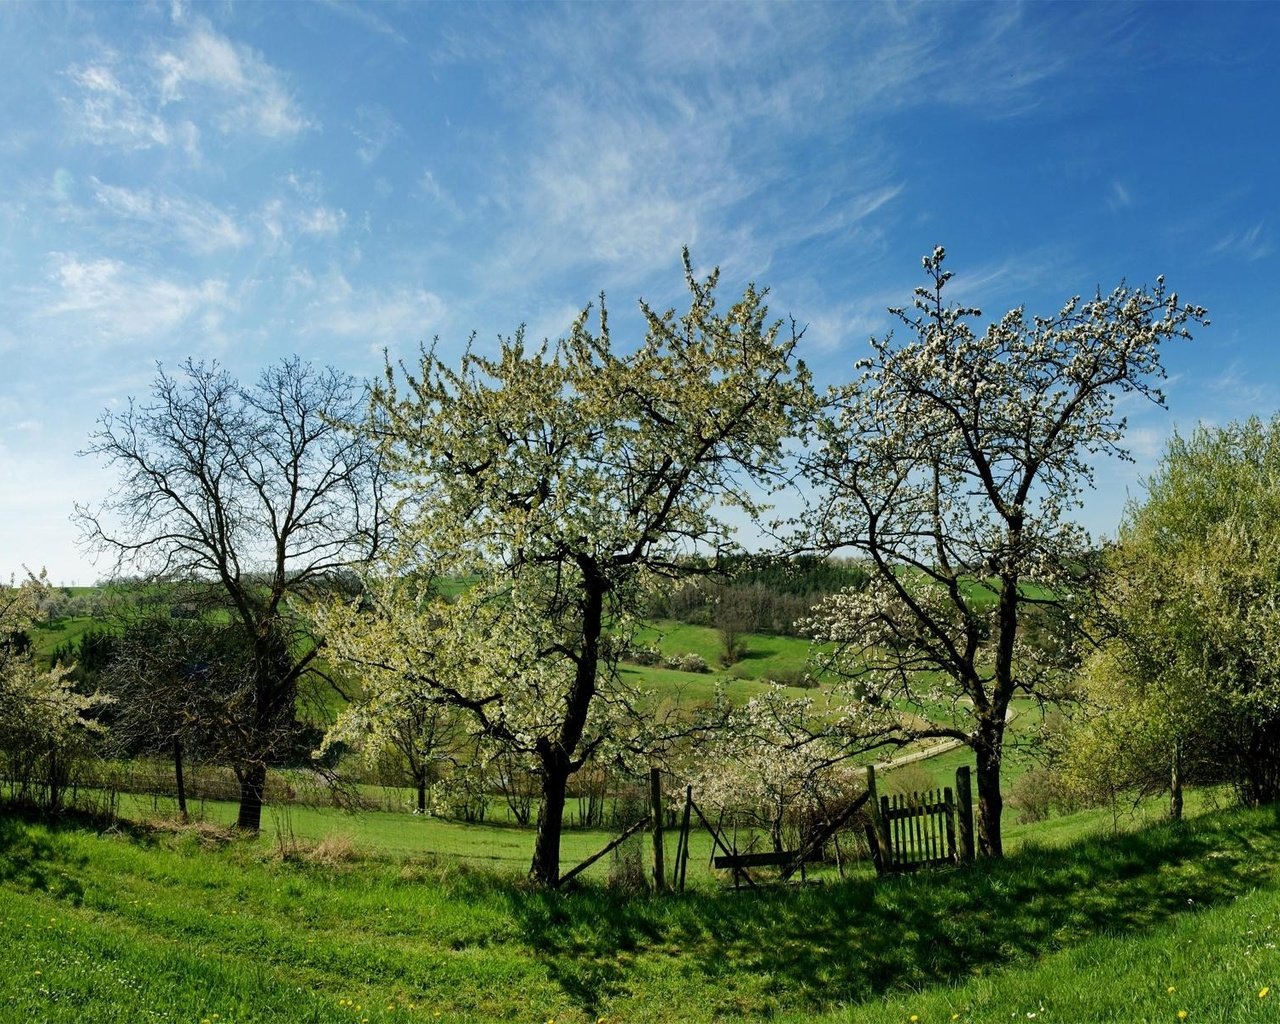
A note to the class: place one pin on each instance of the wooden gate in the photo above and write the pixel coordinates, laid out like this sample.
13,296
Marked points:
920,830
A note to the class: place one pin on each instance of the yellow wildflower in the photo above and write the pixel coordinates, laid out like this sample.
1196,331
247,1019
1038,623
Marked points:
1263,992
1182,1015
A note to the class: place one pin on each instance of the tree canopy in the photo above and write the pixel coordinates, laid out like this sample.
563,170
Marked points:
560,480
246,495
954,463
1194,605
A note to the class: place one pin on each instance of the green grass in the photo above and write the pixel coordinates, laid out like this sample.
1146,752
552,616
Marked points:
137,925
46,637
767,656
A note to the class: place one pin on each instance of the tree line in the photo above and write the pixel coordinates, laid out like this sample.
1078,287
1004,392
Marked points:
463,549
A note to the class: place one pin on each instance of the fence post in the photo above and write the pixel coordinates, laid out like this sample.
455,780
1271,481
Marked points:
964,811
682,865
882,855
655,800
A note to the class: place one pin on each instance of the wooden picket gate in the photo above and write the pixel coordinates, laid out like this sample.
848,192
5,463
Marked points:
920,830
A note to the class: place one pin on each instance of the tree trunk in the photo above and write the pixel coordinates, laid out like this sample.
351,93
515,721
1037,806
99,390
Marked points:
545,869
1175,782
253,785
55,782
556,756
422,794
178,778
989,749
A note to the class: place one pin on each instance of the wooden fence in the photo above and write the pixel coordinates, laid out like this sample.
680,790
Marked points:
922,829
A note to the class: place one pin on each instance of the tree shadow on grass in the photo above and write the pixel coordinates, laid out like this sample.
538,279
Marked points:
814,947
33,859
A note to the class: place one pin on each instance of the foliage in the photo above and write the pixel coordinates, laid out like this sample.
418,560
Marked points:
562,480
688,662
249,495
771,767
1195,609
952,465
760,594
44,720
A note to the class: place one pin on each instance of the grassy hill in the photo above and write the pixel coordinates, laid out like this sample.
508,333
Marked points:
183,927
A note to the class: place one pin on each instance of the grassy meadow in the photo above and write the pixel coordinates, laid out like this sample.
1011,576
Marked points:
376,916
186,925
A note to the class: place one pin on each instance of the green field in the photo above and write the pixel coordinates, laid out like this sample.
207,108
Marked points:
135,925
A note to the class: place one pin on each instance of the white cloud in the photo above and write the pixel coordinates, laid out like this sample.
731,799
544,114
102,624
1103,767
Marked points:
258,99
159,98
375,129
320,220
381,317
119,302
109,114
1118,197
283,220
1252,243
199,225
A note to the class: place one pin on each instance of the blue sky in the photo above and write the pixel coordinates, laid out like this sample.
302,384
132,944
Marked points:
242,181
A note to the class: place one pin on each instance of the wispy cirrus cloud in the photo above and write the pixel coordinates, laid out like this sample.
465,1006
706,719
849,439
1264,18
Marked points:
197,224
251,94
374,129
107,301
1118,196
107,113
388,317
1251,243
161,97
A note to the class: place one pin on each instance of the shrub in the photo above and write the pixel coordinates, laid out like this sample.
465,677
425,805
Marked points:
690,662
1038,793
643,655
796,677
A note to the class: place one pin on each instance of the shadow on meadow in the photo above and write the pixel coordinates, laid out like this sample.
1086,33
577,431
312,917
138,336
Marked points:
813,947
35,859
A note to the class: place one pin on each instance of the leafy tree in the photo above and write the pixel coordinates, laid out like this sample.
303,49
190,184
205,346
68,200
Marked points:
182,688
770,768
952,464
560,480
246,495
1194,599
419,738
42,717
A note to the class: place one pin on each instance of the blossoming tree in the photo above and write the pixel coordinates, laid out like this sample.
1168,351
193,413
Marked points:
953,464
558,481
41,714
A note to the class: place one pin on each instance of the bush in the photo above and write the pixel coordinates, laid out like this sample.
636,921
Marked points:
643,655
626,870
690,662
796,677
1038,793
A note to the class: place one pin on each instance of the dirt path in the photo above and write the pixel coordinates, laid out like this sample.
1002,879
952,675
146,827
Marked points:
925,753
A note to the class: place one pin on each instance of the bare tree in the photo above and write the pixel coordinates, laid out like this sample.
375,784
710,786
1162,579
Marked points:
244,496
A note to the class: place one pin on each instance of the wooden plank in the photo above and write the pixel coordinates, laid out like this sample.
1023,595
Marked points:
717,841
964,812
627,834
951,825
827,832
770,858
682,862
